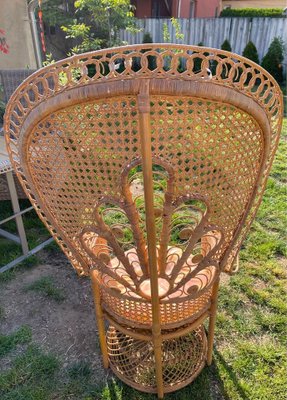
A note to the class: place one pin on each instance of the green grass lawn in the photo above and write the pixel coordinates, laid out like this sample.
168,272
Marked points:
250,348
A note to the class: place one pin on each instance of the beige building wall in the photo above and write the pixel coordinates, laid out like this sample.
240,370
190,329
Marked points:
254,3
14,21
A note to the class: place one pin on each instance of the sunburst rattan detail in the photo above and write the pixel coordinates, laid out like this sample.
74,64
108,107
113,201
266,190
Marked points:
148,175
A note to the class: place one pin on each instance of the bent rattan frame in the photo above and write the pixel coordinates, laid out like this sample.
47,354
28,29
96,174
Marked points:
147,163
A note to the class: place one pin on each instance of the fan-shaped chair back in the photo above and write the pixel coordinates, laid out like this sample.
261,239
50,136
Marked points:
147,164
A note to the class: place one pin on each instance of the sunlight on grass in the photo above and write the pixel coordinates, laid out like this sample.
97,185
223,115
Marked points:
10,342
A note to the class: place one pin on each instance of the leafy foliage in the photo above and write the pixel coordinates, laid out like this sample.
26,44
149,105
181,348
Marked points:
165,33
250,52
252,12
176,26
272,61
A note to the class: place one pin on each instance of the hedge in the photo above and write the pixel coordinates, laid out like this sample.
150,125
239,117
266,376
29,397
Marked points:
252,12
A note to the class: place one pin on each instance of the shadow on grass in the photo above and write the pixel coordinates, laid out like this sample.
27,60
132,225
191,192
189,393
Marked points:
231,375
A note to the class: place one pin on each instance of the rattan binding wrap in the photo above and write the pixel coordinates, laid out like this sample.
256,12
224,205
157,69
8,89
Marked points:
147,164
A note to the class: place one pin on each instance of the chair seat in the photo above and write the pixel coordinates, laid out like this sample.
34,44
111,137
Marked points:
176,308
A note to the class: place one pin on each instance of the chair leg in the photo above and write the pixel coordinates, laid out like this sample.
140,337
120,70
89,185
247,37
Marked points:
212,319
16,209
100,318
157,342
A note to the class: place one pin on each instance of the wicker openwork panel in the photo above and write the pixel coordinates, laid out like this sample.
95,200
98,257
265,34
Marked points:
73,135
85,161
132,360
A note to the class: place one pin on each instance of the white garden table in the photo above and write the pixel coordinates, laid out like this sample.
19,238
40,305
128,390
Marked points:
21,239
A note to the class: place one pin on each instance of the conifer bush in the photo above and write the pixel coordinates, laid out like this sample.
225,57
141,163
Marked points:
272,61
151,59
250,52
197,61
226,45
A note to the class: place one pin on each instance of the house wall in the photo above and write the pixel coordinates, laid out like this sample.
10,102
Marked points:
184,11
15,23
148,8
143,8
179,8
207,8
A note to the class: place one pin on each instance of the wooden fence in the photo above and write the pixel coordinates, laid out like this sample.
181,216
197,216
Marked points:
213,31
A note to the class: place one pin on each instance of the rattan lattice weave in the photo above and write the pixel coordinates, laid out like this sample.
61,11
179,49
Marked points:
148,164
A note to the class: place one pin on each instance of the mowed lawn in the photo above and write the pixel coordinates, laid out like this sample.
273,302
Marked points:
250,348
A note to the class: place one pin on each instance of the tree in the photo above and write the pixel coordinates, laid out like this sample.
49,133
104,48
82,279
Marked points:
272,61
95,23
58,12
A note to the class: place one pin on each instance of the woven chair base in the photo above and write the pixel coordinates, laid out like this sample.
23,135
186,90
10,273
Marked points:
133,362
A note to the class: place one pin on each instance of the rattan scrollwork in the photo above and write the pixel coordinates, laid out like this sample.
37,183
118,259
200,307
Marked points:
148,174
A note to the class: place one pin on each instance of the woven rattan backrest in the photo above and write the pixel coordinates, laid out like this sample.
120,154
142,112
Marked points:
78,132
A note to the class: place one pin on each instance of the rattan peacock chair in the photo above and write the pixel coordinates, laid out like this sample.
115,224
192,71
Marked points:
147,163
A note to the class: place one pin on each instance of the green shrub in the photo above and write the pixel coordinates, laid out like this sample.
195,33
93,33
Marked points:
147,38
226,45
2,111
252,12
272,61
151,59
197,61
250,52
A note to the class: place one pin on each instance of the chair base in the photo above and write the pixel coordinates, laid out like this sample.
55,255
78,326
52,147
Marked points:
133,361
